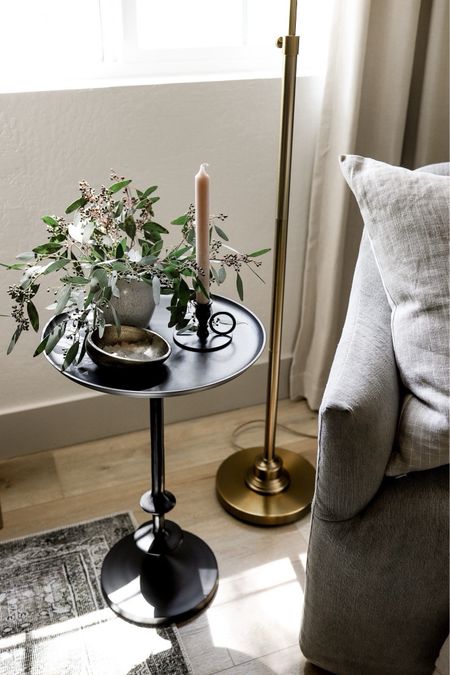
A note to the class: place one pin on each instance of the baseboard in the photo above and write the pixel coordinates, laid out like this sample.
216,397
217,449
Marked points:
86,419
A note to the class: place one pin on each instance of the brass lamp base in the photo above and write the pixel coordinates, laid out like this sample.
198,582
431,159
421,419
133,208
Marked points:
254,507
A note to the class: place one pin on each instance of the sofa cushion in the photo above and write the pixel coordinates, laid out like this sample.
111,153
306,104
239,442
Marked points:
406,214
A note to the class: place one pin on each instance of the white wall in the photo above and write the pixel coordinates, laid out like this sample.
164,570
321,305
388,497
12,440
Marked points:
153,134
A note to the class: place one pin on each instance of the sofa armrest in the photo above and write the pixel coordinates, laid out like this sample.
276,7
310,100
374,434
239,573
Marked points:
442,661
359,411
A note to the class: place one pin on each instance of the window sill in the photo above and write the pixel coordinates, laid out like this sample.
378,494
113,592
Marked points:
58,84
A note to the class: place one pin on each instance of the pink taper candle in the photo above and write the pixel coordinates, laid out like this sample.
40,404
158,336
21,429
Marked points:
202,229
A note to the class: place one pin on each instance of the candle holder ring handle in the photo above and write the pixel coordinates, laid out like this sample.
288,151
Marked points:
214,319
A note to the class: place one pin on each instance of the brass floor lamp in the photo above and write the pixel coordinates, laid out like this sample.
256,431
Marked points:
271,485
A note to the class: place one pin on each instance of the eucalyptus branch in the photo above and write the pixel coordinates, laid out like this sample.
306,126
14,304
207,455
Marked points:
255,273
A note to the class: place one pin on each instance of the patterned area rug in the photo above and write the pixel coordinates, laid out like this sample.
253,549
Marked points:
54,620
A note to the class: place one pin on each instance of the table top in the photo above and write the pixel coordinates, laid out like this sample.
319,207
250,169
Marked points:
184,371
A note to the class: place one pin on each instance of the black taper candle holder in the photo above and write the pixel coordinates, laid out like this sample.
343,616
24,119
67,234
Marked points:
207,337
203,314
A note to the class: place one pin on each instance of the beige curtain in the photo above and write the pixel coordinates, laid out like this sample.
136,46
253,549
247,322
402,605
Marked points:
386,97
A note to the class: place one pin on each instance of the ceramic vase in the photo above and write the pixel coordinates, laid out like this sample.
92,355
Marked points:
135,305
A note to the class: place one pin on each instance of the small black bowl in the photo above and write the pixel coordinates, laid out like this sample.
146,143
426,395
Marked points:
157,349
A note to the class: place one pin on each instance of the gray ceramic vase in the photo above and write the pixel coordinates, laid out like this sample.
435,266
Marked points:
135,305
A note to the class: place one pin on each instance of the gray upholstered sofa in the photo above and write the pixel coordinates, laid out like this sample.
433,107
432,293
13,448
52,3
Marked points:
376,596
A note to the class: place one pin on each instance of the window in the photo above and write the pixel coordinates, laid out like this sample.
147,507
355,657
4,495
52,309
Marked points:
71,43
203,36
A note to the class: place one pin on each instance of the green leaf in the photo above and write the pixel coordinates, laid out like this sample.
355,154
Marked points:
130,227
55,336
150,237
184,323
120,250
179,252
184,292
171,271
148,191
118,186
156,248
77,204
83,349
76,281
14,339
115,319
91,296
221,233
119,209
14,266
58,237
181,220
101,276
147,260
98,252
221,275
41,346
26,255
45,249
188,329
255,254
49,220
155,227
190,237
119,266
240,287
56,265
172,321
26,282
33,315
107,293
71,354
62,298
199,287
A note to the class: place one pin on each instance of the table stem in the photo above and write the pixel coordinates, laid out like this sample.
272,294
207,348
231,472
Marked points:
157,465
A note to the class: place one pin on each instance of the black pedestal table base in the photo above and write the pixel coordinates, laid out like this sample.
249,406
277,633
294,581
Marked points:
159,574
162,588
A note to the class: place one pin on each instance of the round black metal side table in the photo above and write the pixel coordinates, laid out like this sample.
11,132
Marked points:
161,574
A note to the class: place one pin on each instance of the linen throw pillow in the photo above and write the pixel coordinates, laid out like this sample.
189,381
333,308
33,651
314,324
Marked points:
406,214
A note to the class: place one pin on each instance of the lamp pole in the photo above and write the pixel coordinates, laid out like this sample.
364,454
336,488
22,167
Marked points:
270,485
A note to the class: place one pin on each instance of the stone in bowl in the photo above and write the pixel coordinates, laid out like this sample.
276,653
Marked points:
134,347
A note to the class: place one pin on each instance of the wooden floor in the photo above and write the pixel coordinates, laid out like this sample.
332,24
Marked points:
252,625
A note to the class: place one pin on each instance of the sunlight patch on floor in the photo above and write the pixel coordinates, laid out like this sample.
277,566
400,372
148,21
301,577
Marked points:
255,580
260,611
108,644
